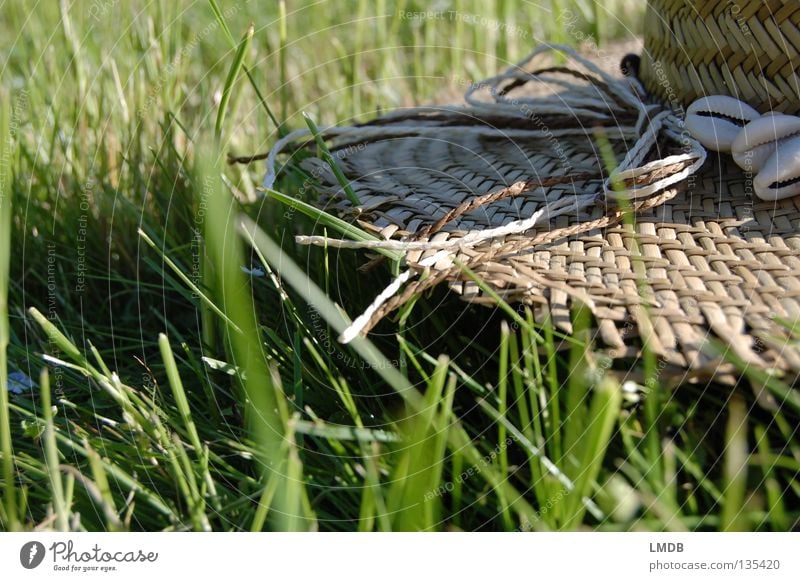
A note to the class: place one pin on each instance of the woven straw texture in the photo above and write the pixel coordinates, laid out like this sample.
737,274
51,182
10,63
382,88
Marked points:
747,49
699,263
690,263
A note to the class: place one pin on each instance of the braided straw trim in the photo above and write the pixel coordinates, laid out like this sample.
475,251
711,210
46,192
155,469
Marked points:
493,254
748,49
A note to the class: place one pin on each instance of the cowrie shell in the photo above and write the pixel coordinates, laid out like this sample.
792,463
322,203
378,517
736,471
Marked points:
759,140
716,121
780,176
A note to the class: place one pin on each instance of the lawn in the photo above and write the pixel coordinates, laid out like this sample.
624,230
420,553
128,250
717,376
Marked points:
169,354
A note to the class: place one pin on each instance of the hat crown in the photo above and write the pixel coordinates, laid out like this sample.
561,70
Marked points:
747,49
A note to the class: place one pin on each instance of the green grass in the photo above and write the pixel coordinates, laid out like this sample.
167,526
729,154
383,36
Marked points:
177,392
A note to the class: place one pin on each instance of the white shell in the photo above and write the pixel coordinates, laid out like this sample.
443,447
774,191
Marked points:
759,139
780,176
716,121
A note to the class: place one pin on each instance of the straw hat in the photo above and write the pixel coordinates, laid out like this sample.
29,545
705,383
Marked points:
670,250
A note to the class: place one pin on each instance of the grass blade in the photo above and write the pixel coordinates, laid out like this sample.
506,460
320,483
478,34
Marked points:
242,338
283,41
330,221
233,74
603,413
51,456
9,482
736,457
413,501
103,490
179,393
221,19
182,275
325,153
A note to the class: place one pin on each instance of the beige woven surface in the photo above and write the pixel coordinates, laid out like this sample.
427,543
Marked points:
748,49
699,271
706,262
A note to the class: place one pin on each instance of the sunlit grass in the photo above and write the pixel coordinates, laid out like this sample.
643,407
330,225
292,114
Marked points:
193,378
